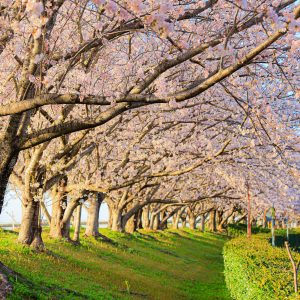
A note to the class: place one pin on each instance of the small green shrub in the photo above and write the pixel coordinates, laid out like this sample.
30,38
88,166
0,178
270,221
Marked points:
254,270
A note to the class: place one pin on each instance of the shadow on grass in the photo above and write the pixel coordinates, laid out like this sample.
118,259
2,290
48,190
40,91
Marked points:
28,289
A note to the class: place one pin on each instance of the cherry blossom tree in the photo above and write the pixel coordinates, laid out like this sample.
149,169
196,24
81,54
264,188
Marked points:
142,55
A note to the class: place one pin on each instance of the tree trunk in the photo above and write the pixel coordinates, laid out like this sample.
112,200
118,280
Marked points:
110,218
162,225
139,224
240,218
223,221
231,219
219,219
130,226
7,163
212,221
92,225
133,212
116,220
192,221
175,220
8,153
59,229
183,221
77,223
203,217
145,217
220,226
30,231
155,222
265,221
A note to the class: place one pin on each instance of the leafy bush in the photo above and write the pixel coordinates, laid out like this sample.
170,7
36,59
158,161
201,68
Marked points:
241,229
254,270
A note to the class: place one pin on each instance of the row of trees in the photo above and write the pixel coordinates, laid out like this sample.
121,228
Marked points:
159,108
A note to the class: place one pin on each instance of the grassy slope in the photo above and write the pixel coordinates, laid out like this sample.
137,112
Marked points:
163,265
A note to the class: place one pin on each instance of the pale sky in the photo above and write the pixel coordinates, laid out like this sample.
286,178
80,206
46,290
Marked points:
12,207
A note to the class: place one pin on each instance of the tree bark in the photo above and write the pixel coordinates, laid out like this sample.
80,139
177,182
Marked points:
203,217
77,223
92,225
212,220
59,229
183,221
7,163
109,222
265,221
224,221
139,224
175,220
30,231
163,220
145,217
240,218
135,212
8,153
155,220
219,218
192,221
130,226
116,220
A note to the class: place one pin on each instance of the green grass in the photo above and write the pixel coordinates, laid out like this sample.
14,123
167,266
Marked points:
165,265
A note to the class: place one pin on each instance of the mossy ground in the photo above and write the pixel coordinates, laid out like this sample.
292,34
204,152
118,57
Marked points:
173,265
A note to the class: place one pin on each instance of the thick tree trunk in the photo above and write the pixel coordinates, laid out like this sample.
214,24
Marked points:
212,221
183,221
130,226
59,229
175,220
166,217
133,214
192,221
92,225
154,223
164,222
222,225
203,217
139,224
163,225
30,231
145,217
77,223
219,219
116,220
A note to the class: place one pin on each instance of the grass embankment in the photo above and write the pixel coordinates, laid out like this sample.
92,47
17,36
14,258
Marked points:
148,265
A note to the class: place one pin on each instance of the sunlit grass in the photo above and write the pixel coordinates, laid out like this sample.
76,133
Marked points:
173,264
